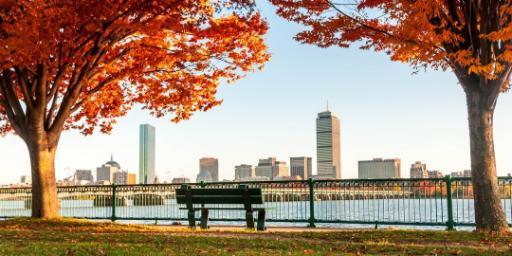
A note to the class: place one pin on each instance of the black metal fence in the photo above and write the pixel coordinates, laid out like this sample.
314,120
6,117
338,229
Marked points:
418,202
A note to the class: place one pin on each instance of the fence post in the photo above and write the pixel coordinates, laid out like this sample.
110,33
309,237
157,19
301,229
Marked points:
450,223
311,203
114,202
203,185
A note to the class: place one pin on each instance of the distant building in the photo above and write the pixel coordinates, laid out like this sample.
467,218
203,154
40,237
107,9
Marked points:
418,170
204,176
132,179
465,173
26,179
146,154
301,166
296,177
103,182
107,170
120,178
244,171
69,181
271,168
435,174
256,178
379,168
328,145
180,180
124,177
457,174
208,169
83,177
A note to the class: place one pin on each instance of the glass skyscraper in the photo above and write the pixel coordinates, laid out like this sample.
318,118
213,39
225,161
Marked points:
328,145
146,154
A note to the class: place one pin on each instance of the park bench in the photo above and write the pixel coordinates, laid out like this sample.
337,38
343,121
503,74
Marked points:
206,199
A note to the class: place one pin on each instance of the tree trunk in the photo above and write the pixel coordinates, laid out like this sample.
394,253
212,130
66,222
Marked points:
489,214
44,189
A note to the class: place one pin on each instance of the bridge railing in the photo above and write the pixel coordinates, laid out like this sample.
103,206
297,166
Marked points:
400,201
463,200
418,202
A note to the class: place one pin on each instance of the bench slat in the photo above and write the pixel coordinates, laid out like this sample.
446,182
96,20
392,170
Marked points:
218,196
219,191
222,209
214,199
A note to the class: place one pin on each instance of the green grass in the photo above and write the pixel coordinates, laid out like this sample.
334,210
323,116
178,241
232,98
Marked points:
77,237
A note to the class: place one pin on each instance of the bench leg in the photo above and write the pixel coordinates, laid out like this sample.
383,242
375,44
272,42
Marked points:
204,218
261,220
191,219
249,218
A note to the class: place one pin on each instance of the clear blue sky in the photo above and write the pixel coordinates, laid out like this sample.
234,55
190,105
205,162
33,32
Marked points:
385,111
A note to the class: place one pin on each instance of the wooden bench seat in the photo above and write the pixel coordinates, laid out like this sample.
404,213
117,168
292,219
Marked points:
206,199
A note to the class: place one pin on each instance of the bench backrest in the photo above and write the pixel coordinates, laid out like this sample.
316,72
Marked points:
240,195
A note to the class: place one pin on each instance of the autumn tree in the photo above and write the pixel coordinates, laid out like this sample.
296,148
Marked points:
471,38
80,64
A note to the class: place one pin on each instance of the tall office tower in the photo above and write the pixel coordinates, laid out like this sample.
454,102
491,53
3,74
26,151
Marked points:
146,154
379,168
419,170
271,168
328,145
244,171
301,166
208,169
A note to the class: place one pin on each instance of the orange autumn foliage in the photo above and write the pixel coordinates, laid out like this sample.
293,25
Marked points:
440,34
80,64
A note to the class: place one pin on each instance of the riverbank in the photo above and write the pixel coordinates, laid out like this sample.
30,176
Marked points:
80,237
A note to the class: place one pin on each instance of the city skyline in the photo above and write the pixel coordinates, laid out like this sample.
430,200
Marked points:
377,168
388,114
210,165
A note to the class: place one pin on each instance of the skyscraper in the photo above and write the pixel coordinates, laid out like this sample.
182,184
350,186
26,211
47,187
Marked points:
328,145
146,154
301,166
208,169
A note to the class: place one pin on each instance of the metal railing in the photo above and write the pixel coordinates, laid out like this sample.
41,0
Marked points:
417,202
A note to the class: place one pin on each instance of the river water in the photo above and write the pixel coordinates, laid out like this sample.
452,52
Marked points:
410,211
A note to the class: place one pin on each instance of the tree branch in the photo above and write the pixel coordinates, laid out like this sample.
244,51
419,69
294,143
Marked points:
10,95
22,83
